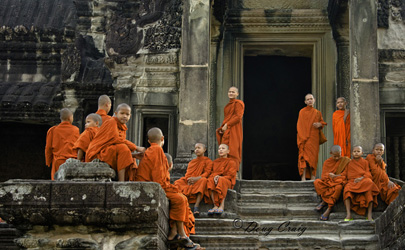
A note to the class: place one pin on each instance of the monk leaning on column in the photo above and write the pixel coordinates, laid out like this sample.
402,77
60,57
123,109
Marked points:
388,189
104,106
93,122
309,123
154,167
60,140
330,186
341,126
222,178
194,183
360,192
111,146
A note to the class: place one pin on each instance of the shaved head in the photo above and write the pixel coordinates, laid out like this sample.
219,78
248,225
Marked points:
342,98
358,147
169,158
379,145
155,135
335,149
65,114
96,118
227,147
237,90
103,100
201,144
122,105
308,95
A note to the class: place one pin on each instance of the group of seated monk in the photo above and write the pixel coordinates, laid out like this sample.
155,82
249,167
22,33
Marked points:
360,180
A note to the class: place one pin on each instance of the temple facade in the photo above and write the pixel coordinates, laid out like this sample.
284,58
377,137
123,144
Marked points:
173,62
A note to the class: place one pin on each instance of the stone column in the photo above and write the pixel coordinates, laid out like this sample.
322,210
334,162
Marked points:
194,76
364,89
343,69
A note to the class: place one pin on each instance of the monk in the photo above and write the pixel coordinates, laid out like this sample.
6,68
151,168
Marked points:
341,126
222,178
360,192
388,189
93,122
330,186
111,146
60,140
104,106
154,167
231,132
309,123
194,183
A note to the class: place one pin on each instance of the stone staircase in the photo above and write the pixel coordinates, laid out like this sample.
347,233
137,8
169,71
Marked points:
280,215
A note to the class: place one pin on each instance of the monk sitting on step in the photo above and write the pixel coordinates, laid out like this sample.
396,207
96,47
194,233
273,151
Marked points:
222,178
60,140
194,183
93,122
111,146
330,186
360,192
388,189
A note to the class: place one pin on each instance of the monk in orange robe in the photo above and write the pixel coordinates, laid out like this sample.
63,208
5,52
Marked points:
111,146
360,192
93,122
104,106
388,189
154,167
194,183
231,132
222,178
309,123
330,186
60,140
341,126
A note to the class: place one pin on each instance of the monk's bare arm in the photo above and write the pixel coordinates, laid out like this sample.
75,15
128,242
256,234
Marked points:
80,154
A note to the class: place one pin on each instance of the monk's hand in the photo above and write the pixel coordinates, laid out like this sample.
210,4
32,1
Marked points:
317,124
140,149
390,184
358,179
216,178
193,180
225,127
137,155
332,175
379,158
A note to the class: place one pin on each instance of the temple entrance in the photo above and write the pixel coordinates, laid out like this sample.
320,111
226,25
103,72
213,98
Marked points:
274,90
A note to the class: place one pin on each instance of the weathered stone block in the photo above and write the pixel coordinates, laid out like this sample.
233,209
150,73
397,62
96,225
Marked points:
76,170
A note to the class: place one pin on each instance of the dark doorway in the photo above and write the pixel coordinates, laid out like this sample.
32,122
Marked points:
274,90
160,122
395,144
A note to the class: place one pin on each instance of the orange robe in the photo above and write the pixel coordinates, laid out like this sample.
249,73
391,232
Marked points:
85,138
308,139
201,166
104,116
155,168
341,131
111,146
233,136
380,178
59,145
363,192
329,188
227,169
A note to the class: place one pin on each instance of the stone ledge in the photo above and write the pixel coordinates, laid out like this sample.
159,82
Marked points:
76,170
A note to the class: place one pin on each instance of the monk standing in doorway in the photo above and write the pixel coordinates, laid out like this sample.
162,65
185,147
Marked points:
309,123
341,126
230,132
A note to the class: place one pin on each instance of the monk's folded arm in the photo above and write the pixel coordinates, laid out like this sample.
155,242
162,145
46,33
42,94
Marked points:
237,117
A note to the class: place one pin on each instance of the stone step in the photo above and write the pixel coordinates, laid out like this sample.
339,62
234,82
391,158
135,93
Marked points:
254,198
7,235
277,187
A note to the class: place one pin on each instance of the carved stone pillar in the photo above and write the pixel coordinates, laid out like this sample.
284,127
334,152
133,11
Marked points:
194,76
364,88
343,69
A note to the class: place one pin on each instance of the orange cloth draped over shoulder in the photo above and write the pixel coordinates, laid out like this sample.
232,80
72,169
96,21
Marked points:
227,169
308,139
155,168
104,116
201,166
59,145
233,136
111,146
380,178
341,131
329,188
85,138
363,192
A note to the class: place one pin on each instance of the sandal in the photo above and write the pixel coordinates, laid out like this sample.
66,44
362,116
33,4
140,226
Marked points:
324,218
320,207
175,239
196,211
188,244
211,211
218,211
348,219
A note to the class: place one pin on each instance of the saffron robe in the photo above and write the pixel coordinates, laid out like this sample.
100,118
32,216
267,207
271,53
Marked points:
155,168
329,188
363,192
341,131
85,138
227,169
111,146
380,178
233,136
104,116
201,166
59,145
308,139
